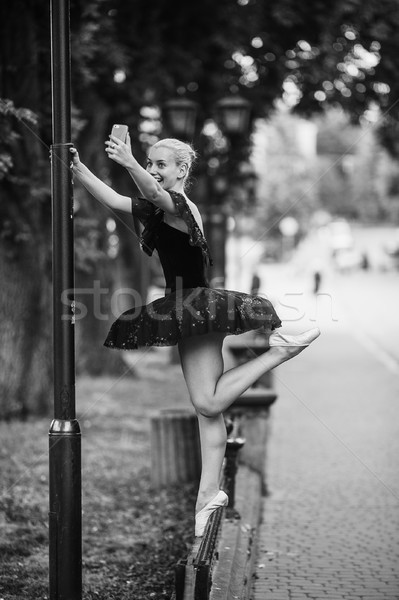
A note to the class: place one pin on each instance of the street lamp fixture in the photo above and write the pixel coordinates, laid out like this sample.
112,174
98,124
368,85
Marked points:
180,115
232,114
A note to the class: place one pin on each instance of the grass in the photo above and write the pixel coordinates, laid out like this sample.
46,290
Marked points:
132,535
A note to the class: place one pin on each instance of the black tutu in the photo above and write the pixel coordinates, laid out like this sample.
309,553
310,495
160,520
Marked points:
190,306
189,312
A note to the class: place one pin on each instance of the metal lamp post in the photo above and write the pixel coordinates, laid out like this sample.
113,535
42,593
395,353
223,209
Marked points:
232,115
180,115
65,521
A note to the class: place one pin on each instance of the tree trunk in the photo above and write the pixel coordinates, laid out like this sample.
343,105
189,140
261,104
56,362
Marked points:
25,334
25,300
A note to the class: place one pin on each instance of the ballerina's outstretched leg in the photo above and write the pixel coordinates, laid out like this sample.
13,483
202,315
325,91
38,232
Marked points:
212,391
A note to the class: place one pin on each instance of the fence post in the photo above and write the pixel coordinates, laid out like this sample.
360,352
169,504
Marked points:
233,446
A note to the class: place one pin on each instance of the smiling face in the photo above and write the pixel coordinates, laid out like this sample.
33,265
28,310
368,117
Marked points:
161,164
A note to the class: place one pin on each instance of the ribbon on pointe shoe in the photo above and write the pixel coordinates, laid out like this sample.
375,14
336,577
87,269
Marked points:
202,516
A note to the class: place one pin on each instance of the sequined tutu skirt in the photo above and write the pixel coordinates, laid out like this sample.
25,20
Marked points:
188,312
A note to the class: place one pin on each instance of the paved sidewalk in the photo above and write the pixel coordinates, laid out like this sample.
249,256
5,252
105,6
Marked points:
331,521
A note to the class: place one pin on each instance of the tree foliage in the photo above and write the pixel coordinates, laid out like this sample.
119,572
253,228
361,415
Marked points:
288,183
131,54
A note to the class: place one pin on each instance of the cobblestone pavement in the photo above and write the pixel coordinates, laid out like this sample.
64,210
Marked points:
331,520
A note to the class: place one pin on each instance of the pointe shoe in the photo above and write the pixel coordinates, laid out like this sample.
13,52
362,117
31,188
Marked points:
303,339
202,516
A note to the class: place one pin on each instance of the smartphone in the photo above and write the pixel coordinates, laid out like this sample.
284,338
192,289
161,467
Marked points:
120,131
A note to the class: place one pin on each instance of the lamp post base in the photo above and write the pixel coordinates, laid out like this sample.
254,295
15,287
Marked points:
65,515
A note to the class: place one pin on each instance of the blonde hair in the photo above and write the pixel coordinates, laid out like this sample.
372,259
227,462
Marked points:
183,153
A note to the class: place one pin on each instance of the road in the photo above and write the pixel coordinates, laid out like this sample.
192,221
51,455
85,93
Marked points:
330,521
365,303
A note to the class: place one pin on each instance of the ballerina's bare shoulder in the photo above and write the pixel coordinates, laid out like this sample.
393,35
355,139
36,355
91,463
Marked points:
179,223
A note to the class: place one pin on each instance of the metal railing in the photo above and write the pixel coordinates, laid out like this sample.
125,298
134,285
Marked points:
193,574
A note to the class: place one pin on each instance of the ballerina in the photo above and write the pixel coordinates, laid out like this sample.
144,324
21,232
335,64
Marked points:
192,315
